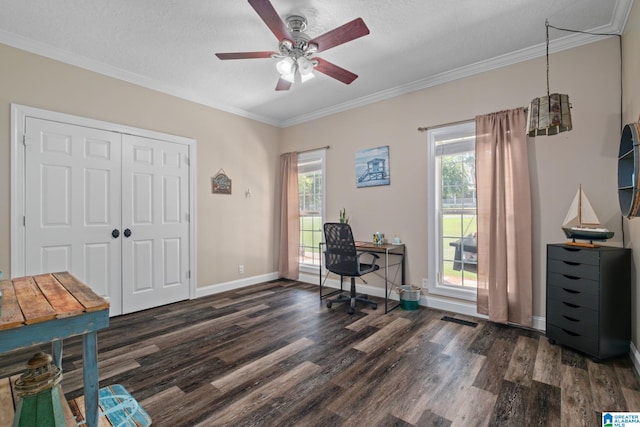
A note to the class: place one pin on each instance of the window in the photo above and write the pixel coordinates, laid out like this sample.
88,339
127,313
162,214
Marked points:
311,190
452,211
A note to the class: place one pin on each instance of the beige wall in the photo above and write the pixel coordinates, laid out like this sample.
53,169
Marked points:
231,230
631,108
587,155
235,230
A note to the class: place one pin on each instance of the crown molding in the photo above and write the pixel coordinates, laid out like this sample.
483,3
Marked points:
70,58
522,55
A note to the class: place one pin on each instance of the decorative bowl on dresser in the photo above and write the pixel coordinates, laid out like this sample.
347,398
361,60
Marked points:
589,299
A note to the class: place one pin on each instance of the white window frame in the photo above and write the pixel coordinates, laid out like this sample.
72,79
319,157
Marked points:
435,250
308,155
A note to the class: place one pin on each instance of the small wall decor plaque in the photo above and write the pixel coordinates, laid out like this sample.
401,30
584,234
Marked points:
372,167
221,183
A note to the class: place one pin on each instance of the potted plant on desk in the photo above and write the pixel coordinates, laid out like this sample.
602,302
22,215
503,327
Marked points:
344,219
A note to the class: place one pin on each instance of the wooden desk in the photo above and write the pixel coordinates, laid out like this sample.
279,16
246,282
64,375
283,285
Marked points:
388,249
49,308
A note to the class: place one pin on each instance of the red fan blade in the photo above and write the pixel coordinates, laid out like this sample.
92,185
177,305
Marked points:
283,84
271,18
332,70
244,55
347,32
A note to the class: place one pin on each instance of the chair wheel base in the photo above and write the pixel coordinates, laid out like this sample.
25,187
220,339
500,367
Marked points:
329,304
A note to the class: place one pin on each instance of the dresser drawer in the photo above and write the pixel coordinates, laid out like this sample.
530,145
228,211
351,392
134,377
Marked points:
579,284
578,328
585,343
574,297
573,254
570,268
572,316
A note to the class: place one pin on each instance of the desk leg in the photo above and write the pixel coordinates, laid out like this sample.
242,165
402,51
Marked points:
56,353
386,282
90,360
320,270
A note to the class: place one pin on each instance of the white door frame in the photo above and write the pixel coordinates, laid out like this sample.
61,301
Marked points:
19,113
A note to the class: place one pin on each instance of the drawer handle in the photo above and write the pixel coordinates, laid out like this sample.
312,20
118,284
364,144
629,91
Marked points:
572,249
571,291
571,277
571,263
568,304
571,319
573,334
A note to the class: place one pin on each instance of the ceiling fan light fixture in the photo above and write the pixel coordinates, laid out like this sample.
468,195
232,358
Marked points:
306,77
285,46
286,66
296,50
305,65
290,77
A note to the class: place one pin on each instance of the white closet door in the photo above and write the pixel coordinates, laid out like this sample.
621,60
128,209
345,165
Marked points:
155,222
72,204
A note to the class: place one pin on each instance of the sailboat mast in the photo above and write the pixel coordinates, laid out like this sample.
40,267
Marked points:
580,206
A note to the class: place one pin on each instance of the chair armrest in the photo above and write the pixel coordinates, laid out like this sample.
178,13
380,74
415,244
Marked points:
373,261
375,255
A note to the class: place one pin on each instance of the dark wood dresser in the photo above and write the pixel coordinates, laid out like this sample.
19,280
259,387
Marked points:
589,299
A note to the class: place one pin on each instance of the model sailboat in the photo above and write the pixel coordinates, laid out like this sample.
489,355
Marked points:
582,222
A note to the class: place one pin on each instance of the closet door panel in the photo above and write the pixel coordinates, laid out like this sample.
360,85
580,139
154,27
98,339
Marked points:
72,204
155,180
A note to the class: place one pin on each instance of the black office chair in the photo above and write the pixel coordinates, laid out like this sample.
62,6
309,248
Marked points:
342,258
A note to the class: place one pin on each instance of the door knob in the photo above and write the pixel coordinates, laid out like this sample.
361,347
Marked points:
127,232
115,233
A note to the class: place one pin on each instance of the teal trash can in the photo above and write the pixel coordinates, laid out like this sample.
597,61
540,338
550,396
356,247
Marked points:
409,297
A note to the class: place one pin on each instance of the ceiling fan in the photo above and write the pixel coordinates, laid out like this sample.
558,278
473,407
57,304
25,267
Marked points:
296,49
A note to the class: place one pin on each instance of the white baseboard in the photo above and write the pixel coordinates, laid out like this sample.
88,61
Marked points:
234,284
375,291
469,309
454,306
309,278
431,301
540,323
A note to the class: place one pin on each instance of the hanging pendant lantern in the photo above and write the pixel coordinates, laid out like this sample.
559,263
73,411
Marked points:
551,114
40,395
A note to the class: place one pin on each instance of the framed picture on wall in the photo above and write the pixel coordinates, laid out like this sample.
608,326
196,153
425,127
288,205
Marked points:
221,183
372,167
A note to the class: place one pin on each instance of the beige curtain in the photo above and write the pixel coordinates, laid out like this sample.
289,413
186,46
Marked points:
504,218
288,264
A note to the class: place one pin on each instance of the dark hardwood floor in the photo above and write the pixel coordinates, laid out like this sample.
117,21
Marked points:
271,355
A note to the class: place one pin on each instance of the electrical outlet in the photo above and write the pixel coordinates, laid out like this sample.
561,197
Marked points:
241,269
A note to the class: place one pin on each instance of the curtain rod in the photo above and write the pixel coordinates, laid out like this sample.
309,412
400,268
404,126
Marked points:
326,147
424,129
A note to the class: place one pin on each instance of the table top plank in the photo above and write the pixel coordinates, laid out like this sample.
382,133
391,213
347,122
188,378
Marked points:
370,246
85,296
35,307
60,299
11,315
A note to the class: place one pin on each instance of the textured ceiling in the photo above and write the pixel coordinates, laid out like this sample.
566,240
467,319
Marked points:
169,45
